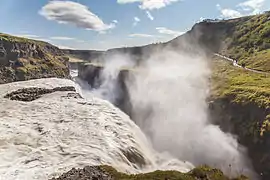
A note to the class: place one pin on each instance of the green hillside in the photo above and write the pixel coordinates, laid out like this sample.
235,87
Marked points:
250,41
241,98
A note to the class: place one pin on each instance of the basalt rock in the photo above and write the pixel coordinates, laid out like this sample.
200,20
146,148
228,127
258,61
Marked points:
31,94
92,74
87,173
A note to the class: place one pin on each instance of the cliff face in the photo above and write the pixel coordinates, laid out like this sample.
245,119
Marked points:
240,99
240,104
24,59
251,124
93,75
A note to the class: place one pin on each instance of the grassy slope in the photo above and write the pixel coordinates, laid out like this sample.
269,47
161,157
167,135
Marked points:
249,41
242,85
11,38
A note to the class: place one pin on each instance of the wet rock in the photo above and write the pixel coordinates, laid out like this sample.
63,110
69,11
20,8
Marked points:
87,173
74,95
92,74
31,94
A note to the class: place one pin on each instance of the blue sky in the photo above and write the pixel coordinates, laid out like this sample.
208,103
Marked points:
103,24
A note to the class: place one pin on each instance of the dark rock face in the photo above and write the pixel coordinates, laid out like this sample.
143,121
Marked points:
247,122
31,94
29,59
87,173
92,74
87,55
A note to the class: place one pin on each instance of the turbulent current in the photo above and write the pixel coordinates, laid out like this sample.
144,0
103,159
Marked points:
46,137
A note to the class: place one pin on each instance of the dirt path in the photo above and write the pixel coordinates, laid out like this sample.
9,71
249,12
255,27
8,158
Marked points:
239,66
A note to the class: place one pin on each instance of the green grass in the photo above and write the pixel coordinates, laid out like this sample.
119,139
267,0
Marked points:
240,85
199,173
249,41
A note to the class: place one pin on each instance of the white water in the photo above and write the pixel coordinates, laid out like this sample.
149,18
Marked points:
74,133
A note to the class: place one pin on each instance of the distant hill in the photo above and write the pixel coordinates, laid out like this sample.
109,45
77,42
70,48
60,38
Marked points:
246,39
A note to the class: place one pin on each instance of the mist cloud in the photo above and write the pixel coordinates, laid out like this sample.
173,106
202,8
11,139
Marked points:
168,94
169,103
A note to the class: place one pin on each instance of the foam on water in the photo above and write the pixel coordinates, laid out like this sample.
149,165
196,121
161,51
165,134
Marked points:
51,135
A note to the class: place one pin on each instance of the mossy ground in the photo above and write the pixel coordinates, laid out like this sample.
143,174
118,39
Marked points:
200,173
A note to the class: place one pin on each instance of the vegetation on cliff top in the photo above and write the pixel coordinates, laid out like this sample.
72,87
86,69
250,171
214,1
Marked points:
199,173
249,41
10,38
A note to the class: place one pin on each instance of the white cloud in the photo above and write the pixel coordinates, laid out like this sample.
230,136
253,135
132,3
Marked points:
62,38
149,15
43,39
115,21
230,13
141,35
80,41
249,7
252,5
68,12
31,36
136,21
128,1
149,4
164,30
64,47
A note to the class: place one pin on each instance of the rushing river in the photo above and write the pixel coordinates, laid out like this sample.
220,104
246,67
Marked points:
46,137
